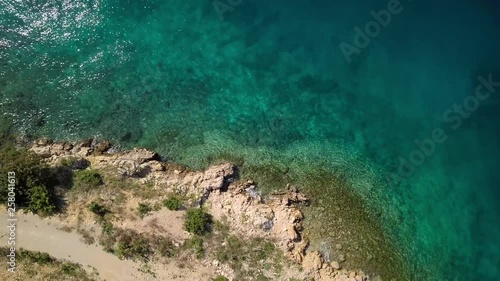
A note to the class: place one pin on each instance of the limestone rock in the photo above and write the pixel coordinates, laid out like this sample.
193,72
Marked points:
139,155
43,142
289,196
312,261
43,151
101,147
335,265
292,234
214,177
156,166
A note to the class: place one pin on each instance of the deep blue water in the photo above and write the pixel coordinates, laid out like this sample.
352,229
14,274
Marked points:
268,81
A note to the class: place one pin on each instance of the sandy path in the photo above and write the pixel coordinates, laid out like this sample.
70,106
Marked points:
34,233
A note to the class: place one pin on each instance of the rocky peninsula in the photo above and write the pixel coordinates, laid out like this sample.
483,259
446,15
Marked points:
248,237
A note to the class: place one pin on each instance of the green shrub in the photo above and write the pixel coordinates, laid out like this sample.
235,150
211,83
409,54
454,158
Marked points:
97,209
173,203
144,209
36,257
196,245
41,201
107,242
132,245
221,278
87,179
197,221
237,252
265,250
29,172
51,268
107,227
74,163
68,161
69,268
164,247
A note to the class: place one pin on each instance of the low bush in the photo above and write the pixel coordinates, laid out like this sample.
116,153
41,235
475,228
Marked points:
132,245
97,209
164,247
173,203
36,257
197,221
237,252
41,201
144,209
195,244
107,227
74,163
87,180
29,172
221,278
69,268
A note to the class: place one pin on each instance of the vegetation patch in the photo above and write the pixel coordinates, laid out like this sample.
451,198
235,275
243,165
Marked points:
132,245
97,209
88,179
260,254
35,257
195,245
32,265
129,244
164,247
107,227
197,221
173,203
74,163
34,180
144,209
41,201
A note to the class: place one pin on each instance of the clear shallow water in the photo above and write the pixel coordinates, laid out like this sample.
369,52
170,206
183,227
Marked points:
269,83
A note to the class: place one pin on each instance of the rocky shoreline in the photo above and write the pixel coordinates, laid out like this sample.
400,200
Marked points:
277,218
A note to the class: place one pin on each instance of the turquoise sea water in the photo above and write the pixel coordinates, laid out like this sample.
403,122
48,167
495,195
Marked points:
266,81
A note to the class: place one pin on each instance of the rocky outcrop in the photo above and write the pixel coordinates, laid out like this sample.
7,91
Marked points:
278,217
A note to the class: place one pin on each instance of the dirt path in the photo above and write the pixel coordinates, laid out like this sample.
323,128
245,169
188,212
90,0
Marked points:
36,234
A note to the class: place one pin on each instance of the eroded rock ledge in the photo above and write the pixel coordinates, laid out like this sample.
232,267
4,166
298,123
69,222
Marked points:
277,218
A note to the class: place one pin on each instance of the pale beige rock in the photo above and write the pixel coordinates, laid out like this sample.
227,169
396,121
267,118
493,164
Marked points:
43,151
312,261
156,166
335,265
213,178
139,155
292,234
341,258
